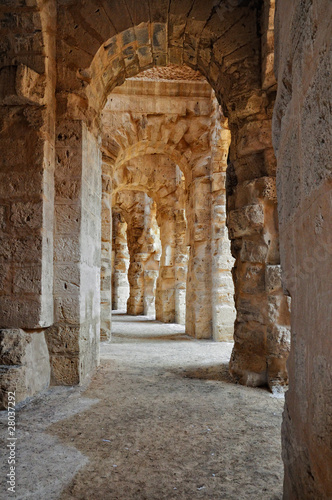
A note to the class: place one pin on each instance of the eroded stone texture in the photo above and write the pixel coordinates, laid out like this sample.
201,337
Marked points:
303,143
120,259
24,364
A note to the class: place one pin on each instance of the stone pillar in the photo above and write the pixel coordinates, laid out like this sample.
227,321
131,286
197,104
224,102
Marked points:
120,283
262,323
181,265
223,307
137,210
26,201
74,339
198,298
153,249
135,232
106,255
165,293
26,218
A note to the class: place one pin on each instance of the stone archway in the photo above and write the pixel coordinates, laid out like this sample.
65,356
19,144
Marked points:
94,54
225,48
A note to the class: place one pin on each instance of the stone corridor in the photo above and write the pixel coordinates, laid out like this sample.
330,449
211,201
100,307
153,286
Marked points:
161,419
170,158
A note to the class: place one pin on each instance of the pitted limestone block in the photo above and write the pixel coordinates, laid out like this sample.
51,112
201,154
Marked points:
65,370
68,159
273,278
278,309
255,136
245,221
13,345
66,279
252,278
63,339
27,279
67,189
278,336
27,215
251,251
249,309
66,249
67,218
22,312
67,309
26,365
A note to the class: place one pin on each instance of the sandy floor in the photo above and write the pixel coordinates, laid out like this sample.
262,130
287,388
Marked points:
161,419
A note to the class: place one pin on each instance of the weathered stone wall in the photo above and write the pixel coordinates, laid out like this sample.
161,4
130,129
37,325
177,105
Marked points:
302,139
27,111
25,364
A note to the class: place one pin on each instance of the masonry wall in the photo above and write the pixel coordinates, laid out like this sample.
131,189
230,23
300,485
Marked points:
302,140
27,117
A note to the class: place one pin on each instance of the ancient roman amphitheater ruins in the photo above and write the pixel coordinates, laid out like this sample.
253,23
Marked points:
170,161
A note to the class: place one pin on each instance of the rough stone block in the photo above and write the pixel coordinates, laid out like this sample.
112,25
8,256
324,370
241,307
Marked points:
255,136
64,371
27,215
28,279
273,278
245,221
26,366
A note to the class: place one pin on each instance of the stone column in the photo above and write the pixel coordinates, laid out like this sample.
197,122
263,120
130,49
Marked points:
135,230
74,339
165,293
106,254
26,227
262,323
137,210
153,249
223,307
120,283
181,265
198,301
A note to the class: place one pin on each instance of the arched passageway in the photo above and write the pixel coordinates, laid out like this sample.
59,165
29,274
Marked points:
59,63
222,43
